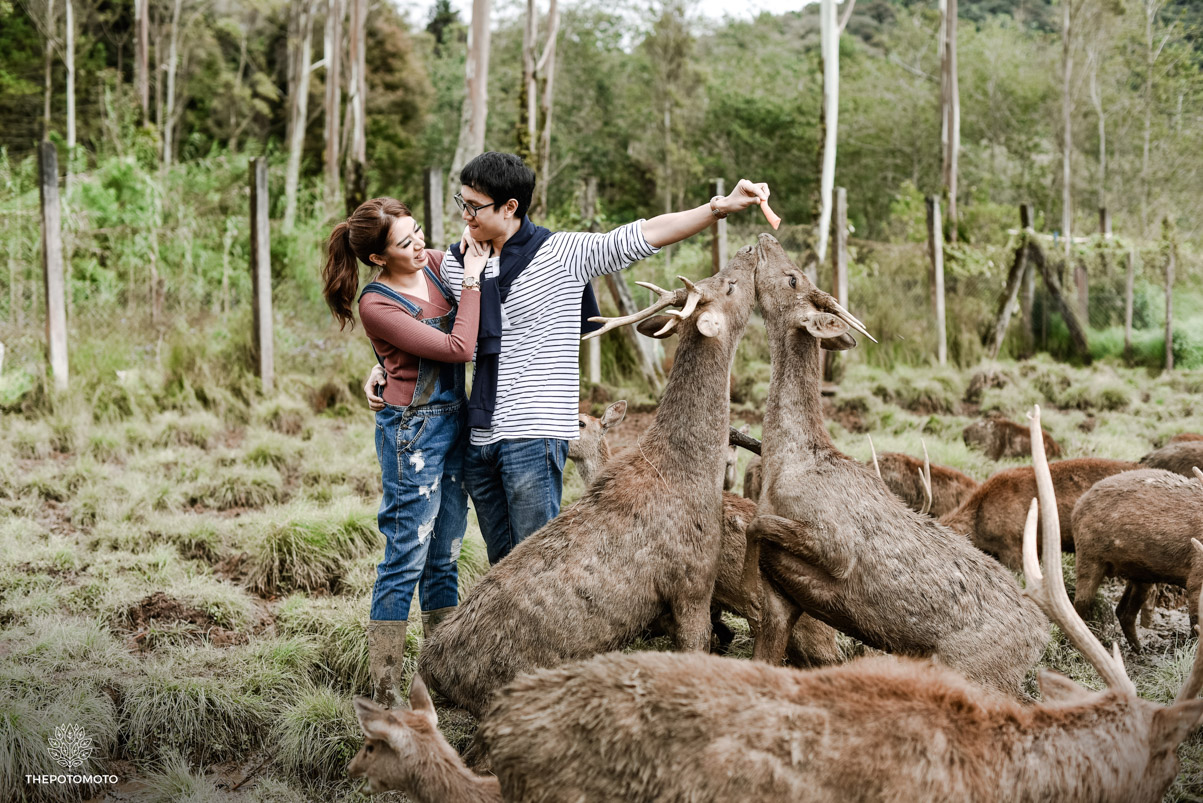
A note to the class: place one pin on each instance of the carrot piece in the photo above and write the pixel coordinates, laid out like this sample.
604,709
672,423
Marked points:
772,217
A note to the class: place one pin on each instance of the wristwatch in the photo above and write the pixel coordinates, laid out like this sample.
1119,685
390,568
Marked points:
714,208
471,283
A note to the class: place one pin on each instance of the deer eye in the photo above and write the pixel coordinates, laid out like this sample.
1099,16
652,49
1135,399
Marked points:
368,748
581,424
793,281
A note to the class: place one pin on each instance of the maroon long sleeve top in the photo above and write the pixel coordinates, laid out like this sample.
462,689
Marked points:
402,340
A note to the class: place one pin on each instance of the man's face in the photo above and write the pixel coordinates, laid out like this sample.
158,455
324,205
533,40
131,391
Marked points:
485,222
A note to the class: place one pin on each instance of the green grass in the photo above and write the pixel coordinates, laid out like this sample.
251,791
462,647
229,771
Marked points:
304,549
316,735
338,628
173,781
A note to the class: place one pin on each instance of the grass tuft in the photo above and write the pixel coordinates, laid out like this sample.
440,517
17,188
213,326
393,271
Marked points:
317,735
173,781
306,551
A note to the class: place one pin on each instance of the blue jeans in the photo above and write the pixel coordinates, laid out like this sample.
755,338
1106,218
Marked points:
516,487
424,510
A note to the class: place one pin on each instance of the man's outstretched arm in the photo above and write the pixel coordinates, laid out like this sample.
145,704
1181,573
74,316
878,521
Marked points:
674,227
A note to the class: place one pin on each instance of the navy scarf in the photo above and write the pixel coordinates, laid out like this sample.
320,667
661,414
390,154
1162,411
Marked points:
518,252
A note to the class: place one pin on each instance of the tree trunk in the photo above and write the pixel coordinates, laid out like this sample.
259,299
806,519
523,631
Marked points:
333,56
173,47
1096,98
831,108
528,95
357,103
547,68
300,60
1129,287
69,61
1067,61
474,113
49,84
953,149
1171,256
142,57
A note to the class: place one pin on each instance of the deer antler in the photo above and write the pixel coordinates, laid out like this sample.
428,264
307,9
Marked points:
873,451
925,480
1048,590
851,320
667,298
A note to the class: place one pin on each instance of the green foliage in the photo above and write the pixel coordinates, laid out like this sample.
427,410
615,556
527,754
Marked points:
317,735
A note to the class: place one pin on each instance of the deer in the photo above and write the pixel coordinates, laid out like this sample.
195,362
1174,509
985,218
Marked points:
658,726
810,643
404,751
1186,437
590,451
831,540
923,487
999,438
993,515
643,539
1178,457
1138,526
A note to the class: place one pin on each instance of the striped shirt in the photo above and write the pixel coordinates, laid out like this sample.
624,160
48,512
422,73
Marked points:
538,375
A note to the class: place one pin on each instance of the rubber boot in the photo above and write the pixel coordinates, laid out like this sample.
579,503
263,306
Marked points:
386,654
431,619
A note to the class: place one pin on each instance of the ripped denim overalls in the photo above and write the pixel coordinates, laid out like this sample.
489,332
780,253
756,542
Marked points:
424,511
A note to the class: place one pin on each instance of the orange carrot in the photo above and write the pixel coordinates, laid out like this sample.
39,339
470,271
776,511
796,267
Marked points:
772,217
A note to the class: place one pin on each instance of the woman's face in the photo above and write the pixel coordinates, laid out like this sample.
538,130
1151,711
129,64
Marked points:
406,251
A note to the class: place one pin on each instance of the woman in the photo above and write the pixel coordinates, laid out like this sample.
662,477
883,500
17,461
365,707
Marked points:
422,338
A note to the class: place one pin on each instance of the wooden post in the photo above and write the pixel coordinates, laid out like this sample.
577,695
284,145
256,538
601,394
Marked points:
1082,284
839,254
718,240
1129,288
52,265
261,274
1105,222
432,209
594,350
1006,308
935,247
1,358
1169,296
1027,296
1052,285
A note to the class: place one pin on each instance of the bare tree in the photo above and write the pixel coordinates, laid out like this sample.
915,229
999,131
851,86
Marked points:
950,110
142,56
831,108
173,50
49,83
335,13
69,62
357,106
475,109
1068,15
528,120
300,47
1152,51
547,69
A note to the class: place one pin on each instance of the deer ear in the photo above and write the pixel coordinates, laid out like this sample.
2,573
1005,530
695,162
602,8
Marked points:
711,323
824,326
841,343
1056,688
373,718
419,700
1174,723
648,327
614,414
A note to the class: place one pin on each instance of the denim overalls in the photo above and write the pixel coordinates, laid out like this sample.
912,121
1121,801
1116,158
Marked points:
424,511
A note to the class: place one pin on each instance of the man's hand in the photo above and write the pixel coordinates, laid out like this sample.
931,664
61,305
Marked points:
377,377
744,195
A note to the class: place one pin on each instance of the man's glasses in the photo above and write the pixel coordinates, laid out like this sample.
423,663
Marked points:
472,209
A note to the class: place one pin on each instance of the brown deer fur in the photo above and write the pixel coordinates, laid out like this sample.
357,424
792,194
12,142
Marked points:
999,438
811,643
650,727
1138,525
1186,437
403,751
590,451
1178,457
752,480
993,516
836,543
644,538
949,487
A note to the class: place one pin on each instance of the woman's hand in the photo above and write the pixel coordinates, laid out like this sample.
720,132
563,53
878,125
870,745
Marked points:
377,377
476,255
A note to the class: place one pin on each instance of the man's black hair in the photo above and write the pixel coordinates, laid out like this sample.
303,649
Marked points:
501,176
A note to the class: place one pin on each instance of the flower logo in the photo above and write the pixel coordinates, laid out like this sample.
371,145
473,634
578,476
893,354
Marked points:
70,746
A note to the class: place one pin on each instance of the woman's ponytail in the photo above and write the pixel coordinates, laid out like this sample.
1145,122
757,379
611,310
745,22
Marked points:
340,276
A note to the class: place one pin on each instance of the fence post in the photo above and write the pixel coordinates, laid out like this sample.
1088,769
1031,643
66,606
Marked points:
52,265
1129,289
935,246
1105,222
718,240
1027,297
261,274
839,254
1172,248
1,358
432,208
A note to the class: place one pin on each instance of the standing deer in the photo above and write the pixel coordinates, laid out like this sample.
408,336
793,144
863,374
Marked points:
644,538
833,540
647,727
993,515
1139,526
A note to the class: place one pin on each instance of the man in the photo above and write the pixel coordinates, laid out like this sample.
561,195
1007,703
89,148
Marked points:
525,387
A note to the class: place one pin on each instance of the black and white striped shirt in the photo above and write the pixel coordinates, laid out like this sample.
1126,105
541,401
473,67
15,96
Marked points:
538,377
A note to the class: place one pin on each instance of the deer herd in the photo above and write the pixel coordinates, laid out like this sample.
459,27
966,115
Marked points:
916,562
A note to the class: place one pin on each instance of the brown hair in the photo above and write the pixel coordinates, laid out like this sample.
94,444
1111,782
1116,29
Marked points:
364,233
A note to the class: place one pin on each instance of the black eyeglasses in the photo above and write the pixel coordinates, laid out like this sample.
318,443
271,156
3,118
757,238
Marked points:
464,205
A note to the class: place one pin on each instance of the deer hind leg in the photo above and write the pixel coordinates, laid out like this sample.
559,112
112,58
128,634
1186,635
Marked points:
802,541
812,644
692,619
778,614
1090,576
1129,606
